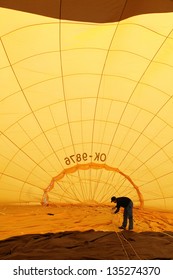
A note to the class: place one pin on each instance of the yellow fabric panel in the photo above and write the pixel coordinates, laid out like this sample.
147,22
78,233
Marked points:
86,84
27,37
128,65
159,76
113,86
161,25
11,109
76,35
4,61
142,98
30,71
80,61
165,54
146,43
10,88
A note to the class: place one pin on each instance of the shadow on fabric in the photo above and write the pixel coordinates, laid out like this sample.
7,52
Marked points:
88,245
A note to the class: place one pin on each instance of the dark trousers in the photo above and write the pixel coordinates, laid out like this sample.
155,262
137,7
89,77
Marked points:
128,215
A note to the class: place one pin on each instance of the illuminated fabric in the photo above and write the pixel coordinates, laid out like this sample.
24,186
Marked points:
86,108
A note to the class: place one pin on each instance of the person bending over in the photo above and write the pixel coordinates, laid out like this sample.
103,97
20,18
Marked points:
127,204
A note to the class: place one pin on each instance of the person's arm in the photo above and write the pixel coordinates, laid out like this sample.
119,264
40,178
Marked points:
118,209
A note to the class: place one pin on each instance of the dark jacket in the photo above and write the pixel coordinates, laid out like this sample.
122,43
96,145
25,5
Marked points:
122,202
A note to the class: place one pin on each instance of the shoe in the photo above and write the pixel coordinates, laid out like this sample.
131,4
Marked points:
122,227
130,228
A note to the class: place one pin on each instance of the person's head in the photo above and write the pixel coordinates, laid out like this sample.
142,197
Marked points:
113,199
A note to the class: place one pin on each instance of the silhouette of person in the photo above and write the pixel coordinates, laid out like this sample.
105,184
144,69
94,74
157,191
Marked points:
127,204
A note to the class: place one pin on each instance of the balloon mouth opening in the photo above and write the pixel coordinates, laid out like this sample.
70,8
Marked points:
57,181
